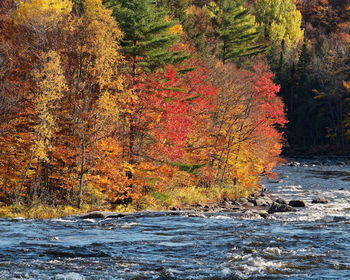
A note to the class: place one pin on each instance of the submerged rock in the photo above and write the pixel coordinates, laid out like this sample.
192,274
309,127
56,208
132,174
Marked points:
276,207
251,215
297,203
263,214
322,200
95,215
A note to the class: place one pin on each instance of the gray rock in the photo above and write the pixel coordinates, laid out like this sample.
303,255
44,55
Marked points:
249,204
322,200
297,203
254,196
242,201
118,215
263,201
95,215
250,215
273,181
263,214
276,207
281,201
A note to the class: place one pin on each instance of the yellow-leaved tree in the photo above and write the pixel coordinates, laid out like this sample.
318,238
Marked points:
50,87
43,13
72,94
96,93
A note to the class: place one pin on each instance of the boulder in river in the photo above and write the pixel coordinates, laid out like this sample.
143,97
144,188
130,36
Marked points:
263,214
322,200
276,207
251,215
297,203
242,201
281,201
95,215
263,201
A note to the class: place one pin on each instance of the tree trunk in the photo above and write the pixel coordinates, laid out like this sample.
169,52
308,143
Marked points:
18,195
82,171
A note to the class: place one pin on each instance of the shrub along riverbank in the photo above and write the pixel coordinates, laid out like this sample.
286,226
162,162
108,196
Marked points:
180,199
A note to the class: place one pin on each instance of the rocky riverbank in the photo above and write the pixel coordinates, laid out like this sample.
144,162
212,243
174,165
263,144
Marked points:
261,204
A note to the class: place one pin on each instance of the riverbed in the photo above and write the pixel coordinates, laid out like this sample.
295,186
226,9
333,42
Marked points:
313,243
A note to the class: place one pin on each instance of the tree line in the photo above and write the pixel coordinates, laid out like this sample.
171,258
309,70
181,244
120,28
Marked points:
121,100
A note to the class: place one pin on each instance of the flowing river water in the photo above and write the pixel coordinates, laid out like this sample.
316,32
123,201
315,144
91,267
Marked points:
313,243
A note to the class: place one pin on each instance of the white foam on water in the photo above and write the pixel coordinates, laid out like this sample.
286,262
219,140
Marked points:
260,265
128,225
90,220
274,250
63,220
221,217
226,271
70,276
172,271
238,257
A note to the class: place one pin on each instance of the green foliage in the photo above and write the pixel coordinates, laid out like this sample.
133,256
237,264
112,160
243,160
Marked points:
177,8
236,28
183,197
190,168
303,66
147,34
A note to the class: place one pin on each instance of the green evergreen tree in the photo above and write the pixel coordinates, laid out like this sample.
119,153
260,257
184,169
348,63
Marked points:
177,8
147,36
194,19
303,65
236,28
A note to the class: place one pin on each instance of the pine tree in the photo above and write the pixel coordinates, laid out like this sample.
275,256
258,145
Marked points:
302,66
236,28
178,8
147,35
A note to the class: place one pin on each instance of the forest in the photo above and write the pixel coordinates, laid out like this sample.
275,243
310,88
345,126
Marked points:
135,104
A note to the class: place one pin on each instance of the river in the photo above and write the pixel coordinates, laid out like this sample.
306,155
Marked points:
313,243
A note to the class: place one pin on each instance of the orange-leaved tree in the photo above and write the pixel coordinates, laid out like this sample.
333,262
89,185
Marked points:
247,140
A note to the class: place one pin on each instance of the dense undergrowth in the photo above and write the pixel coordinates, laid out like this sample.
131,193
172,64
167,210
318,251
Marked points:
179,198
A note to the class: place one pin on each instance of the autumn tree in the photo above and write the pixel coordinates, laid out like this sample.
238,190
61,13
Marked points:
245,118
95,86
73,98
280,21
